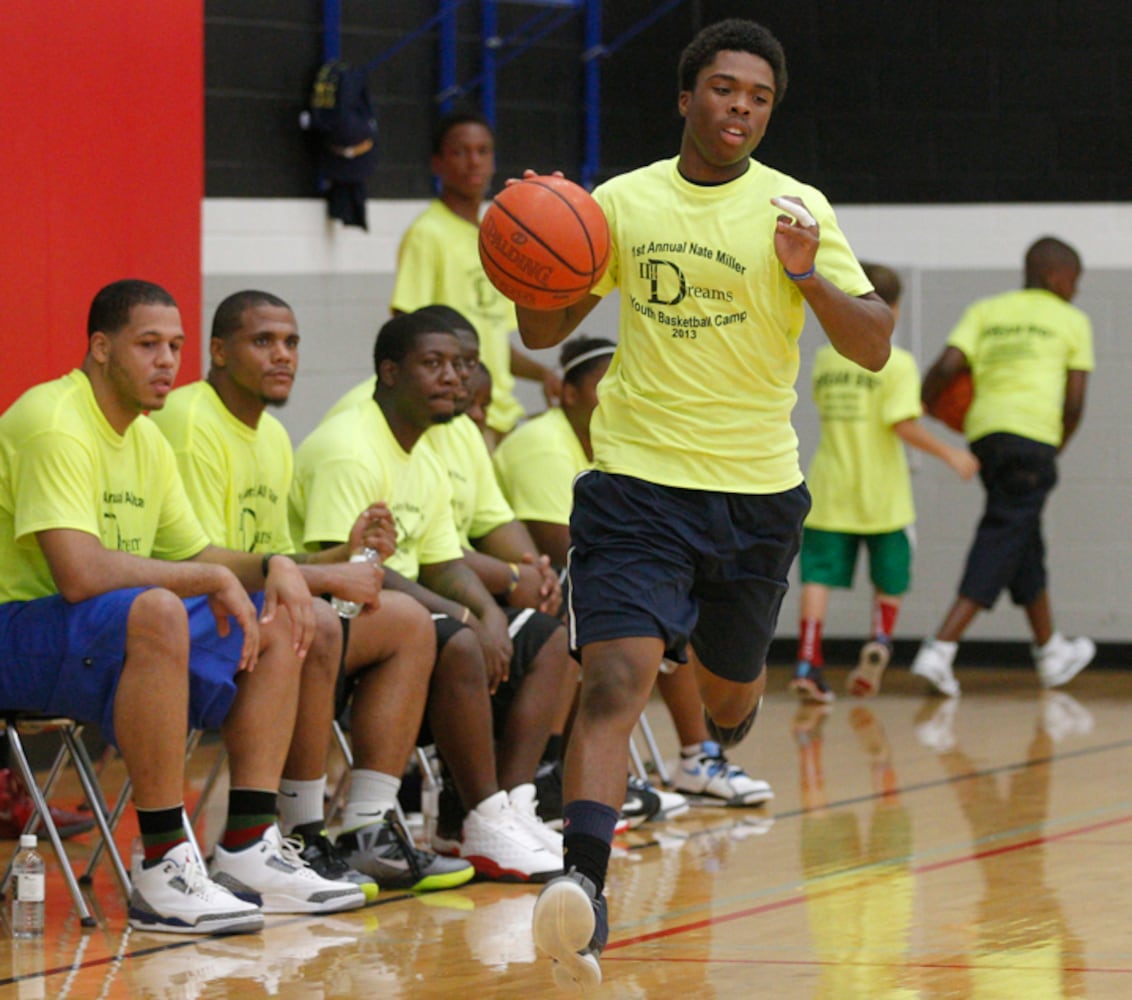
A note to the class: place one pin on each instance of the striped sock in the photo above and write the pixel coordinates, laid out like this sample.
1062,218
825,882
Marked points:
161,830
250,812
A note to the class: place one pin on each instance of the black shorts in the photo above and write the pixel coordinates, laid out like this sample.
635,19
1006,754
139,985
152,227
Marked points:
682,565
1009,551
529,630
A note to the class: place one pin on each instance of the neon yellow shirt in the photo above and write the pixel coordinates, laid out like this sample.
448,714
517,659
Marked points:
478,507
353,460
348,400
63,466
1020,345
237,477
700,391
536,464
438,263
859,476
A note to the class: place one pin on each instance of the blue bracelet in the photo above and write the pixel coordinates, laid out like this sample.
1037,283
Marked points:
801,276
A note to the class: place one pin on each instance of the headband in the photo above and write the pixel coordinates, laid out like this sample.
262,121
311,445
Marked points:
581,359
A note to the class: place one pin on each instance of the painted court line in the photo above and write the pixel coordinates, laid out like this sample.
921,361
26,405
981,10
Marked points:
725,918
799,898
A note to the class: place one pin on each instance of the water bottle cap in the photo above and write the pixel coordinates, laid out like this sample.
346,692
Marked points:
28,840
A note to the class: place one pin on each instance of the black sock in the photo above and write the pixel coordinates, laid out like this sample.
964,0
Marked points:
588,855
554,747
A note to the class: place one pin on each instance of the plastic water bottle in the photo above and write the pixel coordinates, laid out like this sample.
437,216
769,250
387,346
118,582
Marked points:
351,609
29,873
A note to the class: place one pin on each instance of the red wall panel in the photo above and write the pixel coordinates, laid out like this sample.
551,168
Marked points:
101,171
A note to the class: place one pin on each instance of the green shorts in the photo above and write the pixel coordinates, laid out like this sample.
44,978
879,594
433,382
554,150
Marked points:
830,558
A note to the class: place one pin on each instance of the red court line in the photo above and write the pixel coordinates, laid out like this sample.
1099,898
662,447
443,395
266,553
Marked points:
796,900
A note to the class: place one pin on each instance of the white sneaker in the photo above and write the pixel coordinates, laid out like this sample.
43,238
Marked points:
272,871
525,806
177,896
933,663
1061,659
937,731
672,804
645,803
1063,715
500,844
715,780
864,680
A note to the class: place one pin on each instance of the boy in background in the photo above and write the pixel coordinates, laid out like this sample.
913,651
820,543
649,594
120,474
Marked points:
862,495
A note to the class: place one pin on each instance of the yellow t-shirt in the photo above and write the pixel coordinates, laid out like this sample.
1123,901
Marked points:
439,263
353,460
478,507
63,466
700,391
351,397
1020,345
859,476
237,477
536,464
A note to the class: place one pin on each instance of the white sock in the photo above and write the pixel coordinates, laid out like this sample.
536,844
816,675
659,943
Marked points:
300,802
1052,643
691,750
372,794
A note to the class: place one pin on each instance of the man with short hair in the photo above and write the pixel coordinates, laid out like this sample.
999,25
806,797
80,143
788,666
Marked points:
116,609
236,462
375,451
685,532
438,262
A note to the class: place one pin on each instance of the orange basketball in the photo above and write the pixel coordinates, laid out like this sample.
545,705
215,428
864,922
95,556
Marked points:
951,405
544,242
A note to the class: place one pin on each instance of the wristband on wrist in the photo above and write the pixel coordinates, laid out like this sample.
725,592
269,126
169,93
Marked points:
514,567
801,275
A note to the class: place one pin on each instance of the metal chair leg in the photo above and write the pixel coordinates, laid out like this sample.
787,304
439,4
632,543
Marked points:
654,750
43,813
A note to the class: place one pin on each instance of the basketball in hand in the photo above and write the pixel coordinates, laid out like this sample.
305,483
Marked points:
544,242
951,405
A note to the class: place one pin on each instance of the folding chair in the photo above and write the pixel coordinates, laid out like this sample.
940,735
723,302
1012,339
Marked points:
639,765
16,725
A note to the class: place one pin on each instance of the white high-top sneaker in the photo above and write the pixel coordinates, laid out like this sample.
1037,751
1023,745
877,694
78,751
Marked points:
933,663
1061,659
272,871
176,896
501,846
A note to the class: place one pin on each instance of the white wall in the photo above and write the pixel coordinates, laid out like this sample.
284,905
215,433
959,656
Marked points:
339,281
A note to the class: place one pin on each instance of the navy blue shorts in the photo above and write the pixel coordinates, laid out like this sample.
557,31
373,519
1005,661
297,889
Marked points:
1008,551
66,659
682,565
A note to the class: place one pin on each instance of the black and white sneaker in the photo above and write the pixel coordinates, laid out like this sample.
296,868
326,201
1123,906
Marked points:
644,803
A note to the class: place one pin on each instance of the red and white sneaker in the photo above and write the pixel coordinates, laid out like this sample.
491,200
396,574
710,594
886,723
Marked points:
500,844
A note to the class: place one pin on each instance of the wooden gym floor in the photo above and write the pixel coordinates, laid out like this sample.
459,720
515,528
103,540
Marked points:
916,848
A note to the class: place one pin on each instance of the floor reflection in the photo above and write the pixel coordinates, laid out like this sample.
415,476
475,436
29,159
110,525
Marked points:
860,891
1025,950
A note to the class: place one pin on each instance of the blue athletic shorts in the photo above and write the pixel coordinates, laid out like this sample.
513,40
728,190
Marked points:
66,659
682,565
